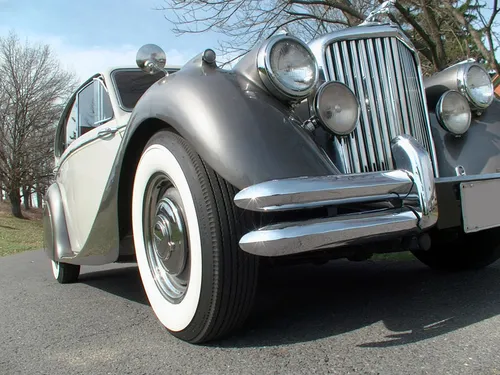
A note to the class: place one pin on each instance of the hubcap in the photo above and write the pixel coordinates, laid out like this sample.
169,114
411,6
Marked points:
165,237
169,244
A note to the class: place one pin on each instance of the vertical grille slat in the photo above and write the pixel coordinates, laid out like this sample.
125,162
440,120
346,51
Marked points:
360,92
356,139
383,120
372,110
384,75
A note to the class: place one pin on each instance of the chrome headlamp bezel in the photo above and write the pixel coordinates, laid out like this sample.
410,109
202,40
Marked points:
464,87
269,78
316,110
439,112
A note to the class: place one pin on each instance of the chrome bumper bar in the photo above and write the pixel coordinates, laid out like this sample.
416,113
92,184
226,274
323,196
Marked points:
412,184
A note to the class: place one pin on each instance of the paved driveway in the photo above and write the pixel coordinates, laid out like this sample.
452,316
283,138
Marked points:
342,318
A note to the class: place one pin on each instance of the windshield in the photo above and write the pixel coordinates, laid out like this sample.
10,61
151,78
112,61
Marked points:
132,84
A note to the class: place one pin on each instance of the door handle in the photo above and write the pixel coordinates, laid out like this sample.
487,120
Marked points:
106,131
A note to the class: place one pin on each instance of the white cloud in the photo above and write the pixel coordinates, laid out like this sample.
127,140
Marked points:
86,61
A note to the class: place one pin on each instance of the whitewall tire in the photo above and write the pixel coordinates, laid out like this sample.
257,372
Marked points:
198,282
65,273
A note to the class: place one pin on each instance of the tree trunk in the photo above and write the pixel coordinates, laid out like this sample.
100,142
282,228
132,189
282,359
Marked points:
15,202
26,198
434,32
39,198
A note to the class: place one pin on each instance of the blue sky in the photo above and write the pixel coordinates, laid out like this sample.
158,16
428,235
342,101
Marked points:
88,35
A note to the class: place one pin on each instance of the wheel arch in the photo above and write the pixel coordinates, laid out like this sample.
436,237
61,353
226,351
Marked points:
133,152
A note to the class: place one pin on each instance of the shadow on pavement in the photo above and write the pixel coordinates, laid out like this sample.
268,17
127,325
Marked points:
122,282
305,303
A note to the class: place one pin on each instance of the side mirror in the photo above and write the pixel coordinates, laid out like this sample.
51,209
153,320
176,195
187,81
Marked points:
151,59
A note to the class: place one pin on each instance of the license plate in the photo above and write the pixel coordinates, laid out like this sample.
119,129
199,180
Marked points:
480,204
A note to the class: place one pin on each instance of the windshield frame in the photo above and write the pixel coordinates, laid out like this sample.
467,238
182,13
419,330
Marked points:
117,89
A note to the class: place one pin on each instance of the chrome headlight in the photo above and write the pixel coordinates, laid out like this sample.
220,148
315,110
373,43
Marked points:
453,112
287,67
337,107
475,83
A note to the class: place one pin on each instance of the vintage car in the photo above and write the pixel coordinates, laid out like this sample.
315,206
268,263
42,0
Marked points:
338,148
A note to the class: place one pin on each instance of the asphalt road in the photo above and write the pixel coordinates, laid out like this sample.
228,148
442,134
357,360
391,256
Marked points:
342,318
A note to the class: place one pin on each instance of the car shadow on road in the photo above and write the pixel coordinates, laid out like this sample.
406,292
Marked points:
305,303
122,282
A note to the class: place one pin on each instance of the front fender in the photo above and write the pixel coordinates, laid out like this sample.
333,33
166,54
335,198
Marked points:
478,150
244,134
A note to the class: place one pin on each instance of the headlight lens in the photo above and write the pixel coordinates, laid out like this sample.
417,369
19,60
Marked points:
287,67
453,112
478,87
337,107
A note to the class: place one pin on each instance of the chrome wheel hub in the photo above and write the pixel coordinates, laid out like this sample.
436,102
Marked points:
165,238
169,237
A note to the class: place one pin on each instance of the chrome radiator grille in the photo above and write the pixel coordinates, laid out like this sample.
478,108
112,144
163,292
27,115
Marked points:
385,77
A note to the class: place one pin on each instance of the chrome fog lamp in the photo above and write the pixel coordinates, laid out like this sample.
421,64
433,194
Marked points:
337,108
453,112
475,83
287,67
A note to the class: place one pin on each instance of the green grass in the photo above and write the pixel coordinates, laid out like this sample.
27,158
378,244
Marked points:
17,235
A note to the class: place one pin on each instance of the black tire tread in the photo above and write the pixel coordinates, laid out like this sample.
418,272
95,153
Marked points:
68,273
232,297
466,252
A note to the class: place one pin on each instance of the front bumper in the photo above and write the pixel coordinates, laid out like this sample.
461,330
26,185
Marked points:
409,195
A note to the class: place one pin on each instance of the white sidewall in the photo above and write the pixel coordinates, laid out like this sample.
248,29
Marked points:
55,269
175,317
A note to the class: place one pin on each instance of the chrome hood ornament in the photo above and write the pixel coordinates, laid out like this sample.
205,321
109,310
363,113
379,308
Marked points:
376,15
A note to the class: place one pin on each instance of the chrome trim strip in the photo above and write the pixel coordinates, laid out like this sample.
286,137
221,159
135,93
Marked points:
467,178
278,195
298,237
77,146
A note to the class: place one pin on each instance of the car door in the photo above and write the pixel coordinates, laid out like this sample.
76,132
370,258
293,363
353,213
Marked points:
92,138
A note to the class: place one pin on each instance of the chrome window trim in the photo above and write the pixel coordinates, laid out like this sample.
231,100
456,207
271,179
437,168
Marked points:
95,80
268,77
63,155
320,45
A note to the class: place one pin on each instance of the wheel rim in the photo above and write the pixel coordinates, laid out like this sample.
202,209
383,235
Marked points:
165,238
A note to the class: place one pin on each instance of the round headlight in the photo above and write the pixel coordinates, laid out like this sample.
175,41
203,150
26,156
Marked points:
453,112
477,86
337,107
287,67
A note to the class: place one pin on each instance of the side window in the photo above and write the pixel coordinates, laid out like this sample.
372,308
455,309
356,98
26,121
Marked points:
72,124
94,107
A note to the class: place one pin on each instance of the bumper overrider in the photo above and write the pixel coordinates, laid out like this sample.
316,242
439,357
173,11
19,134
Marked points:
409,190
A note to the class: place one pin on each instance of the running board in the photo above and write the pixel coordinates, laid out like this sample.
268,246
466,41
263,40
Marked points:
298,193
298,237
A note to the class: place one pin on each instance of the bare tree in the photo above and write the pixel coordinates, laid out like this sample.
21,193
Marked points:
33,88
436,27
